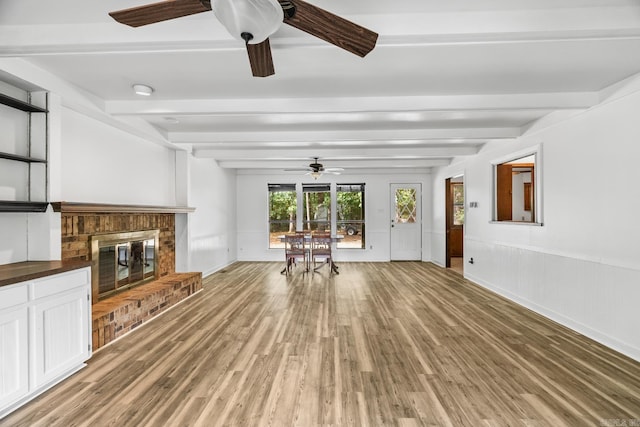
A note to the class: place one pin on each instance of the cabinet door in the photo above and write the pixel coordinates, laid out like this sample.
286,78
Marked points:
14,369
61,334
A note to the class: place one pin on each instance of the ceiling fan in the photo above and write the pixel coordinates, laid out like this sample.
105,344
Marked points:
253,21
316,170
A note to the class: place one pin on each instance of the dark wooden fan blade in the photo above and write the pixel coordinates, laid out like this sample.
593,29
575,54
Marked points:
260,59
161,11
331,28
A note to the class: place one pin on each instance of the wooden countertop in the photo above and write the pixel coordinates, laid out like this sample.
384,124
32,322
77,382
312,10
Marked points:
29,270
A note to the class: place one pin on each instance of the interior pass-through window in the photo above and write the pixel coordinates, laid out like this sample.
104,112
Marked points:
517,191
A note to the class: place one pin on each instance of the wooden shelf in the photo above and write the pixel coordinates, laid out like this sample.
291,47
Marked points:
14,206
72,207
30,270
20,105
21,158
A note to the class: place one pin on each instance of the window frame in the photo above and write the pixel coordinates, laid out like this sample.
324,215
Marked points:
292,187
455,204
301,222
537,211
309,225
362,222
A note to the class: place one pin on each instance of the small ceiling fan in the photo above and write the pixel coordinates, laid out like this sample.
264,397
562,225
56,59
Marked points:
253,21
316,170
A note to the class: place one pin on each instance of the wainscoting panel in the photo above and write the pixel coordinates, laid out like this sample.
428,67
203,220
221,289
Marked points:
437,248
595,299
252,246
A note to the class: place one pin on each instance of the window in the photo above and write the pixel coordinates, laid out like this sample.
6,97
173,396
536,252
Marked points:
517,189
406,205
350,215
282,212
457,195
316,207
314,212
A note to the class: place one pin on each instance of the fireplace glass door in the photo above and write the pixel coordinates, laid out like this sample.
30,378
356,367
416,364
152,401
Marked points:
123,264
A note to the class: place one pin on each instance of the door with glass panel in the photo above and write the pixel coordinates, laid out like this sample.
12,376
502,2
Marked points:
406,224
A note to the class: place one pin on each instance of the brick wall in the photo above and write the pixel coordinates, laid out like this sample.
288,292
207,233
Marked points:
120,314
77,229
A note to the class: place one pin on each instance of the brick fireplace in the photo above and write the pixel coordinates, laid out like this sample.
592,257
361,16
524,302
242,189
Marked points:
78,227
121,312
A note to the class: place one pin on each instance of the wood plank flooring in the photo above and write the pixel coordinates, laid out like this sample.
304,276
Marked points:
381,344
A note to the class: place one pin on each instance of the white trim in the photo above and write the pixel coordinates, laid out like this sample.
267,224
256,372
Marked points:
580,257
527,151
585,330
215,270
535,150
531,224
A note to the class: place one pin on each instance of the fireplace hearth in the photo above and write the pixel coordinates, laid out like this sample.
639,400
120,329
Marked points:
123,260
85,227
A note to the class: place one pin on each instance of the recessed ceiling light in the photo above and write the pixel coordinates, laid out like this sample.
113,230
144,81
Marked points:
143,90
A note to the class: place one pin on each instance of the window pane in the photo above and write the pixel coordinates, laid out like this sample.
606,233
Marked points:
458,215
457,193
350,210
316,207
282,212
405,205
277,229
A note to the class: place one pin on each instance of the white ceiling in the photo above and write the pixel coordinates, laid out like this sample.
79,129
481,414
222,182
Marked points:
445,77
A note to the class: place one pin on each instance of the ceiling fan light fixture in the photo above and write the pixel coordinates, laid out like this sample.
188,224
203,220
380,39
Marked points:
258,18
144,90
315,174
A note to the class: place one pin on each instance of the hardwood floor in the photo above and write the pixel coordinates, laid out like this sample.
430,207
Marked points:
404,344
457,264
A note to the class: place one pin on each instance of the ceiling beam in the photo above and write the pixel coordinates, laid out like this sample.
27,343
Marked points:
346,164
328,153
339,145
329,136
204,33
510,102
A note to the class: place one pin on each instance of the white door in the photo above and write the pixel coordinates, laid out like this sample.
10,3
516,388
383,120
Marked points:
62,324
406,225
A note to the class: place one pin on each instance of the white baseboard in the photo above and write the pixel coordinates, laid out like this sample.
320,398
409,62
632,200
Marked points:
585,330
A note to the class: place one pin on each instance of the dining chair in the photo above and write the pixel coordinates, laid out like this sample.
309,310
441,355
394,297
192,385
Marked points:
321,251
294,249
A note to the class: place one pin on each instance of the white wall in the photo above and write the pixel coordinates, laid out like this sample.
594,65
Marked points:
13,243
212,227
582,267
29,237
13,179
103,164
253,215
14,176
96,158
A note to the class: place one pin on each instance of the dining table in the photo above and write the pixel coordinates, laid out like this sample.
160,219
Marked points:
335,238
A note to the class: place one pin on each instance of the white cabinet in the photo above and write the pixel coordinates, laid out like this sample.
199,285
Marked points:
14,372
61,335
45,334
